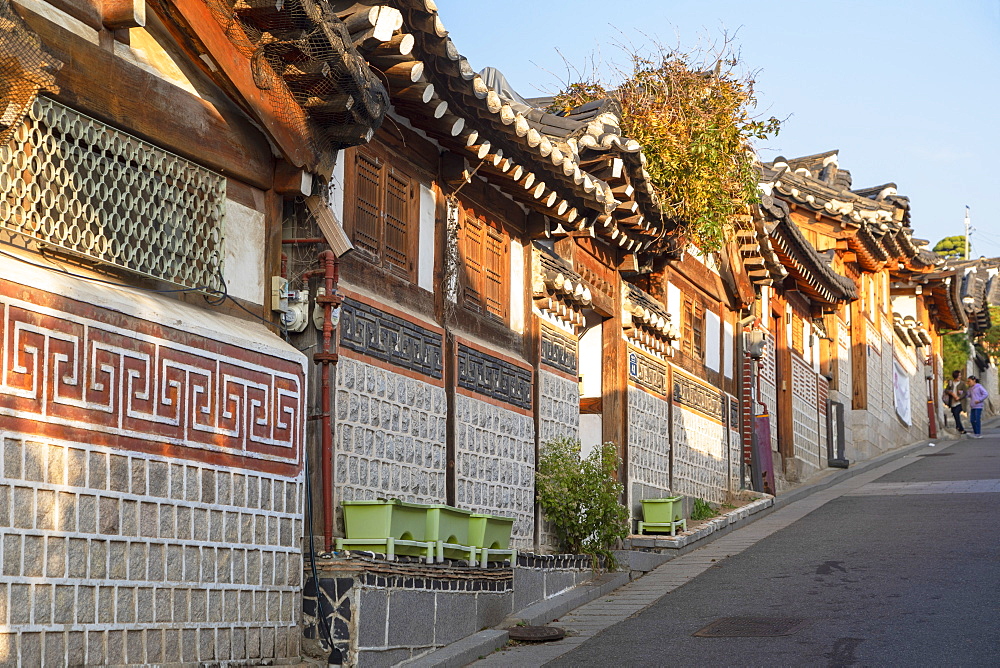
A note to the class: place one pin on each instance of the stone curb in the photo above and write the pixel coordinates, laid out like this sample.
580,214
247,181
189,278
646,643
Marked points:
470,648
462,652
543,612
736,516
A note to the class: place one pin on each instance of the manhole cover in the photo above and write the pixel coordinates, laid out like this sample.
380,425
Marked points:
536,633
937,454
751,627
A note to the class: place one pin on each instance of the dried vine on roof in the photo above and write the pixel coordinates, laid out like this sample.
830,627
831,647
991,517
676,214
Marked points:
695,128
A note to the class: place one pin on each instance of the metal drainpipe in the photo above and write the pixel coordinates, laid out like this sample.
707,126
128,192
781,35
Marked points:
327,357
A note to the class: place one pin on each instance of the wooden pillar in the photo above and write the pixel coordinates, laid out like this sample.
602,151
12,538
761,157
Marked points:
859,357
615,385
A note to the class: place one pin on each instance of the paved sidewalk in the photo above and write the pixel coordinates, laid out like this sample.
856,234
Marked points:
592,618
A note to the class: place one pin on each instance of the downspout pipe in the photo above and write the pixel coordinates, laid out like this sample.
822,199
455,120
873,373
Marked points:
327,358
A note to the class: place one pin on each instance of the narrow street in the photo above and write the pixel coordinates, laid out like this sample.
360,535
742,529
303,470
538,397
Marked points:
898,566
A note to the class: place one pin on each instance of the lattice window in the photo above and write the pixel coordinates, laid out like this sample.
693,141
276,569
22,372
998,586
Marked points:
483,248
382,219
798,334
77,186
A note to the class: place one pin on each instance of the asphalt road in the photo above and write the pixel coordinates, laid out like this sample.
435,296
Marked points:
904,571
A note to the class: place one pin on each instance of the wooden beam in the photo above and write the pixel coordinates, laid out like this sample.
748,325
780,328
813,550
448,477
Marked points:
214,135
291,181
119,14
192,22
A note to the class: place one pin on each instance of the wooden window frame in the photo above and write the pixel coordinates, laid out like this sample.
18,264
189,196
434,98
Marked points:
476,231
375,251
693,335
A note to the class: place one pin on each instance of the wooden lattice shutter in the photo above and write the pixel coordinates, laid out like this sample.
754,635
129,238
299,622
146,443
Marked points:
368,209
397,237
472,256
687,338
494,270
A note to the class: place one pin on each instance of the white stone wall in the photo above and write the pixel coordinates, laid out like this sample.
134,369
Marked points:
119,557
768,389
735,449
495,463
389,437
805,413
701,455
558,407
648,442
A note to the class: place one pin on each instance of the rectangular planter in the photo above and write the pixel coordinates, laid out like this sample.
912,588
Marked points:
491,534
386,526
449,527
662,515
490,531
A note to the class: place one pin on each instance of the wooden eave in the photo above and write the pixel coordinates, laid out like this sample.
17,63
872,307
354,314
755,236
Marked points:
811,273
299,131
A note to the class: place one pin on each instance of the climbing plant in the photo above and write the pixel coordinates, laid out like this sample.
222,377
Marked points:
580,497
696,125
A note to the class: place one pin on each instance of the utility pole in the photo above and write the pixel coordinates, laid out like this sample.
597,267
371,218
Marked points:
967,249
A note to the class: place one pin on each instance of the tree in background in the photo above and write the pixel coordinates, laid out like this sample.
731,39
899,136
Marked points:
955,351
952,247
693,114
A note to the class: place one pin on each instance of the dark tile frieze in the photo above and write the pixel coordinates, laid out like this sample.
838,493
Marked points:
559,351
373,332
647,372
493,377
694,395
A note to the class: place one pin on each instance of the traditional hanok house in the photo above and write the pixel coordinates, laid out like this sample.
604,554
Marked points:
833,324
151,416
459,337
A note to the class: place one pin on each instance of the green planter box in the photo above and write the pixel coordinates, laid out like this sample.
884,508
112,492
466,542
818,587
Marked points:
491,534
449,528
663,515
387,526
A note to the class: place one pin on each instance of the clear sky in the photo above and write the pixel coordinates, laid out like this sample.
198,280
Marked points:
909,92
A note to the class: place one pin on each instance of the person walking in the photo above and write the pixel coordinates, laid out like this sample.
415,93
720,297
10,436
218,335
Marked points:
977,397
954,398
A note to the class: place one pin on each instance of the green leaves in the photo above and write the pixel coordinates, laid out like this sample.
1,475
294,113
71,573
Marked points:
580,497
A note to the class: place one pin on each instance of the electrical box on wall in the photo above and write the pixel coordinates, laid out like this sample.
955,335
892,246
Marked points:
755,343
279,294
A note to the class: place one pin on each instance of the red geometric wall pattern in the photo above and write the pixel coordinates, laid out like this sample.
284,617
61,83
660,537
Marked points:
71,370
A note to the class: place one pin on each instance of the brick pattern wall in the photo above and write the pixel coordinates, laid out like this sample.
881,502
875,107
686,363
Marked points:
119,557
735,444
558,407
648,440
495,463
823,401
768,389
389,437
805,412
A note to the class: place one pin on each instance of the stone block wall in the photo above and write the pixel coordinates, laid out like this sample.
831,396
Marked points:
495,463
390,435
700,440
558,406
648,447
385,613
150,480
118,557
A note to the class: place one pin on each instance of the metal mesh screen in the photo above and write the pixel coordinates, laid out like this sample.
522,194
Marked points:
24,69
302,55
74,183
